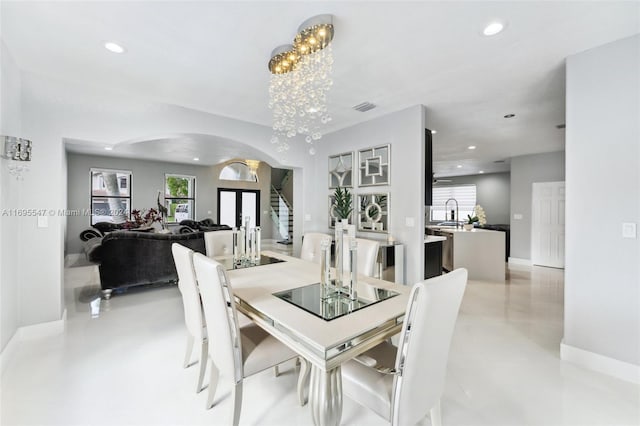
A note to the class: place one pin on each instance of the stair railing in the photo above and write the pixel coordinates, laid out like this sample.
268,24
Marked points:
280,213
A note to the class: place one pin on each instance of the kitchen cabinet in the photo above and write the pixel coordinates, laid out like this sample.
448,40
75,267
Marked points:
432,257
428,168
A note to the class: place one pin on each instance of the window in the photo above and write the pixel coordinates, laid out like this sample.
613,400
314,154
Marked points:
110,196
238,171
179,197
465,195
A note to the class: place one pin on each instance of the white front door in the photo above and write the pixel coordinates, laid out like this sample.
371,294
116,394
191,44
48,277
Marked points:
547,224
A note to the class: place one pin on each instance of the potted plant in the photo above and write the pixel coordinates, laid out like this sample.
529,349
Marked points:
478,216
343,203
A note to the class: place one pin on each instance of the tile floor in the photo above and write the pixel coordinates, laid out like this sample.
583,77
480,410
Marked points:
120,363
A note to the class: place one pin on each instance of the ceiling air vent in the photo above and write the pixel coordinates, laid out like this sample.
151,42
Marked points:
561,126
364,107
499,161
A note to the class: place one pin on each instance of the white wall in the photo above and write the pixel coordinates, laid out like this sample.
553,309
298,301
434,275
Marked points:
53,111
525,170
404,130
10,125
602,281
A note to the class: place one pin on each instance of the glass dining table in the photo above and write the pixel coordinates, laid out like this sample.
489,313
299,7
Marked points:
282,295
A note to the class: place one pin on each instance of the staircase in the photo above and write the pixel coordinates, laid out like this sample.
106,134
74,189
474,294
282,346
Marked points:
282,215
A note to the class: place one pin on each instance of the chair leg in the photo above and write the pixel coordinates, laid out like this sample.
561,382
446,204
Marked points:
213,384
276,371
204,356
237,403
436,414
303,380
187,356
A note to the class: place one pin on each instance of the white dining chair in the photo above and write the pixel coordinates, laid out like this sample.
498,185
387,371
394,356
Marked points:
218,243
404,384
193,315
196,329
237,353
366,258
311,245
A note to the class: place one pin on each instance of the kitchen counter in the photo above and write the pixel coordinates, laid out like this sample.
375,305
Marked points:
451,229
433,238
480,251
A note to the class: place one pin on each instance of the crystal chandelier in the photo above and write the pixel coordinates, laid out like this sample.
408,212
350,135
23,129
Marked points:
18,152
300,81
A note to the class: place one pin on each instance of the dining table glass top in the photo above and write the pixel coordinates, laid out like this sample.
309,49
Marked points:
229,263
330,302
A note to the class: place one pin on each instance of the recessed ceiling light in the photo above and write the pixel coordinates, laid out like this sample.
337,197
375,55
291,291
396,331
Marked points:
113,47
493,28
433,132
481,171
471,147
509,116
459,166
108,148
196,159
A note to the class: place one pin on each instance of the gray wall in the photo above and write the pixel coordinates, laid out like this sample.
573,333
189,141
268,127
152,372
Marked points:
525,170
147,179
404,131
492,193
10,124
602,282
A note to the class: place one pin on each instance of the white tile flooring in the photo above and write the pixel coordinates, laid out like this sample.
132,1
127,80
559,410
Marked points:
121,365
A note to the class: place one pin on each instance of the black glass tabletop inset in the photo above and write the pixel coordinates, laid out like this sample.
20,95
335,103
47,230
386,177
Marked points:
337,304
229,264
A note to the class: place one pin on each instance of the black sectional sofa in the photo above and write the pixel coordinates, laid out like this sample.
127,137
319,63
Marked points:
131,258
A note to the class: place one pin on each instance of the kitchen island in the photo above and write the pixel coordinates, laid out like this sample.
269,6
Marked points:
480,251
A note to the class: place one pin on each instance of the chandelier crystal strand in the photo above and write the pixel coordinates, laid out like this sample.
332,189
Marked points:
298,99
300,82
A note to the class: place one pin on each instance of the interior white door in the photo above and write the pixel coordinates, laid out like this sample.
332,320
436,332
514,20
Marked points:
547,224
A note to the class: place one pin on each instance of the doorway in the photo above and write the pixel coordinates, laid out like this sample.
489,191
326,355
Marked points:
235,205
547,224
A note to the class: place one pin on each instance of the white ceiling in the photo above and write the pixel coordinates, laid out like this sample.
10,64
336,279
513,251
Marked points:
212,56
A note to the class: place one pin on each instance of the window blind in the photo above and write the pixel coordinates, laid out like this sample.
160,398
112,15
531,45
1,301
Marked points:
464,194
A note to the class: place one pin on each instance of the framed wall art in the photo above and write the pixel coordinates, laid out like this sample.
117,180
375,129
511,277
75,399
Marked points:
341,170
373,212
374,166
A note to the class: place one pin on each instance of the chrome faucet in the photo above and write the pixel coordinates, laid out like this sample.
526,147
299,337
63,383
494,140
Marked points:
445,210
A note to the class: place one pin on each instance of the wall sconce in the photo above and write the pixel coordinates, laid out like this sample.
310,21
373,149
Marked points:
17,151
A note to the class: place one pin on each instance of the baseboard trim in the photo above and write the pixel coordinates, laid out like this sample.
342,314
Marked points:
9,351
600,363
519,262
44,329
72,258
30,332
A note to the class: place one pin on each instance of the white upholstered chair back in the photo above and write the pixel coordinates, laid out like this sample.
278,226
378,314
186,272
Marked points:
311,244
424,346
367,255
183,258
220,314
218,243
